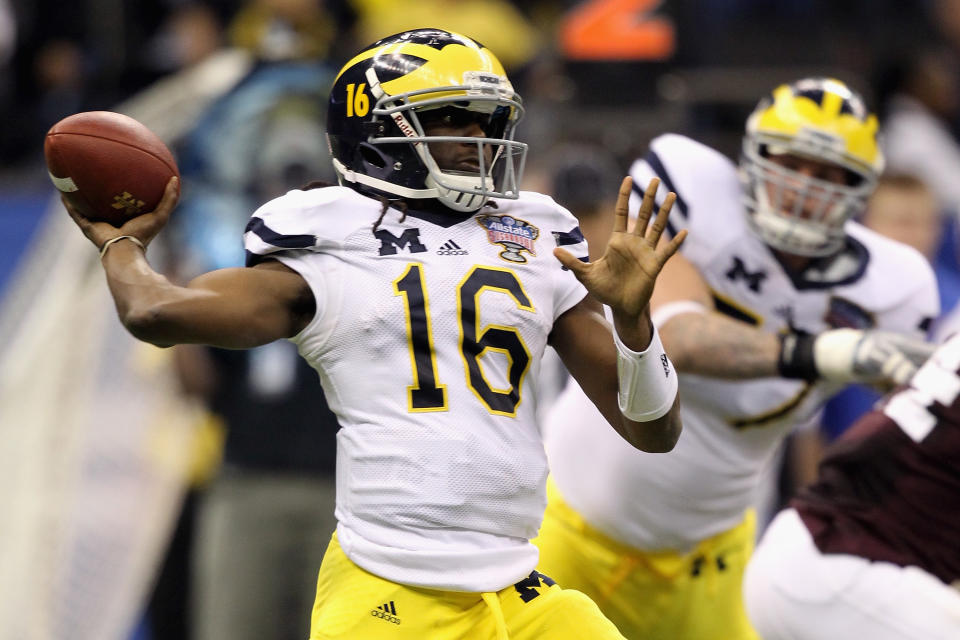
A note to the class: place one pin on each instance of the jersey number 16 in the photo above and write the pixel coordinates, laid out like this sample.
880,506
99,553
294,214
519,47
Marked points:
426,393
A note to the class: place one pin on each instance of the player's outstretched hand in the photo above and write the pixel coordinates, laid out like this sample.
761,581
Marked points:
144,227
624,276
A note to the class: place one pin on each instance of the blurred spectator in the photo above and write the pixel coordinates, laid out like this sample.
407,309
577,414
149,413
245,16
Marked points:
263,523
8,32
43,87
284,29
904,208
8,39
921,100
60,74
169,614
188,35
945,18
498,24
585,179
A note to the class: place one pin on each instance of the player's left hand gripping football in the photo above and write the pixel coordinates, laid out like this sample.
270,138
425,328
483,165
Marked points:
144,227
624,276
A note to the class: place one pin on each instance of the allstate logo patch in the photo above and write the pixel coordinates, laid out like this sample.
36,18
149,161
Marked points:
513,234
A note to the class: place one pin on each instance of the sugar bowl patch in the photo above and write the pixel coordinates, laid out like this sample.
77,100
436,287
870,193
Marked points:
513,234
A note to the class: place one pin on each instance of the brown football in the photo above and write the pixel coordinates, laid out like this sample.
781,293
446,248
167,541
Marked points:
109,166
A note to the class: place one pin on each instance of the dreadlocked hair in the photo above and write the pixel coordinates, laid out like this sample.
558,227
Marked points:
402,206
386,203
317,184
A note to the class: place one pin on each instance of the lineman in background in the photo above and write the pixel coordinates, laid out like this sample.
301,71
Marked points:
776,302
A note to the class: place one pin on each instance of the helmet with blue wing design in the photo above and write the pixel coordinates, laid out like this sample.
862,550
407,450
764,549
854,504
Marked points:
810,160
390,97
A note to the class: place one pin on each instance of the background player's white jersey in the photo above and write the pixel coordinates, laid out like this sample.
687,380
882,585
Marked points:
730,428
428,336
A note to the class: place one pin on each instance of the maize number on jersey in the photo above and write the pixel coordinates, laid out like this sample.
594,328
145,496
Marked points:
426,393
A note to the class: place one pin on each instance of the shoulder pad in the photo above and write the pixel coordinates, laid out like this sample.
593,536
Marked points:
699,175
307,220
550,216
897,275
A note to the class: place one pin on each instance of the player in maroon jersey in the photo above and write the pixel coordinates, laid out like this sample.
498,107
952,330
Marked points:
872,548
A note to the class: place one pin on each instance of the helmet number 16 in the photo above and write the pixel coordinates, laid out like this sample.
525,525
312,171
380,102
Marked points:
358,103
426,393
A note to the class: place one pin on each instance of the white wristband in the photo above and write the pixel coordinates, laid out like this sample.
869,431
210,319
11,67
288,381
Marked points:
648,381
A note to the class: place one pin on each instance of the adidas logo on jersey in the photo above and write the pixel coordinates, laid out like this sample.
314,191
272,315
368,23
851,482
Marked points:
451,248
386,612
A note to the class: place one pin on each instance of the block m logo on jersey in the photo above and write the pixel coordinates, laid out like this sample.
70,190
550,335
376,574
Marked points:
409,239
739,270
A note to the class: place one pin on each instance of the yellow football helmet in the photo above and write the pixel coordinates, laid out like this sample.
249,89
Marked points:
381,97
818,119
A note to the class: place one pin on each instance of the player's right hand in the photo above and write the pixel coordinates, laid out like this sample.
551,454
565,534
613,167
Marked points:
144,227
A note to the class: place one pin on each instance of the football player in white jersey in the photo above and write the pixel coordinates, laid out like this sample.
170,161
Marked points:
776,301
424,290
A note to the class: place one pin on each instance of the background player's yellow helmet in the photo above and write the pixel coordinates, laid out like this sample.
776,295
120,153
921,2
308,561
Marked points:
818,119
381,96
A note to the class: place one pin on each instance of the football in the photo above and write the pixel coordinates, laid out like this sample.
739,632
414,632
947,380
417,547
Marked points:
109,166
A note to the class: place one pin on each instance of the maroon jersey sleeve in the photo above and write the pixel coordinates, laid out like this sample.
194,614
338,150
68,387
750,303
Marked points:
889,488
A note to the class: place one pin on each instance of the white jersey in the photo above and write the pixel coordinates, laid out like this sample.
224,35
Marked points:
428,335
731,429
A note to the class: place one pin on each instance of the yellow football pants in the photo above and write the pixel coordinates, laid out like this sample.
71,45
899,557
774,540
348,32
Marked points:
651,596
352,603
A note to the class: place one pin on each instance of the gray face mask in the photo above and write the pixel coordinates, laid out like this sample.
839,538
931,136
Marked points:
794,212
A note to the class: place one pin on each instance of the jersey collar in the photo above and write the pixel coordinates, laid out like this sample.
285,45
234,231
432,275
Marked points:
842,268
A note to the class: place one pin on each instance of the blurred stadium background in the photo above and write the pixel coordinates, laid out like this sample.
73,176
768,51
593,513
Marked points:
99,443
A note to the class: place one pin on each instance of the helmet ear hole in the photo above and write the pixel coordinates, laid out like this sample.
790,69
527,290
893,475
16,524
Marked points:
372,156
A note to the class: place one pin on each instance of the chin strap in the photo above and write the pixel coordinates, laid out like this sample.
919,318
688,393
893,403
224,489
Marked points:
452,198
382,185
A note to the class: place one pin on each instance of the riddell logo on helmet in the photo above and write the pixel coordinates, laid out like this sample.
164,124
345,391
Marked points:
402,124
